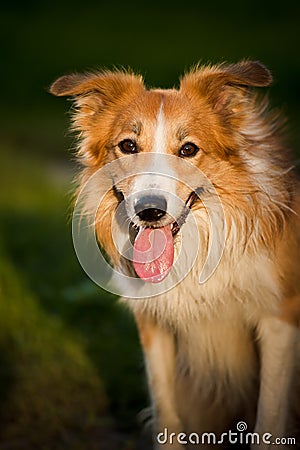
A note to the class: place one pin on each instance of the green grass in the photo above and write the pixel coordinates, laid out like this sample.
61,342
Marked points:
71,371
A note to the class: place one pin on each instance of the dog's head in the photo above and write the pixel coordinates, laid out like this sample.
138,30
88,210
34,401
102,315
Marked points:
200,122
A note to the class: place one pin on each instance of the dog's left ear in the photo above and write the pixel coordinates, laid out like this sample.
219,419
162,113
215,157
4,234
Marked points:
223,83
248,73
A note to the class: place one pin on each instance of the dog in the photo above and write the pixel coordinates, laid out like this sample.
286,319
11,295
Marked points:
223,348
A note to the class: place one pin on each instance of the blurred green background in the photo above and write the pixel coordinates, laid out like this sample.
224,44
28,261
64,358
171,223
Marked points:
71,370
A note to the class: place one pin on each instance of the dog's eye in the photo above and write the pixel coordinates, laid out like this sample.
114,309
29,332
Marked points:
188,149
128,146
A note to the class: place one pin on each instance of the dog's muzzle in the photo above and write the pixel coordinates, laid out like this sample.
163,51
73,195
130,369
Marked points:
152,234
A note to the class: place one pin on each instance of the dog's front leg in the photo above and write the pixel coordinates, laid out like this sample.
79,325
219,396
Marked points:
159,351
277,354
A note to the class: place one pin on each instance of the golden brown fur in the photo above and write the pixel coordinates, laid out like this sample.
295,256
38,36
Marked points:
207,346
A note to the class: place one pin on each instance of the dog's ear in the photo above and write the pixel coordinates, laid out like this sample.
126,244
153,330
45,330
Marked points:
223,84
108,86
248,73
95,94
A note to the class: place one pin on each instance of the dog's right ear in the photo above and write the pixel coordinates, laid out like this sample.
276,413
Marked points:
108,86
72,84
94,94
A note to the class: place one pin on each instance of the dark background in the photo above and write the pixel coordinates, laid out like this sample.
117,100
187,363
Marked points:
71,371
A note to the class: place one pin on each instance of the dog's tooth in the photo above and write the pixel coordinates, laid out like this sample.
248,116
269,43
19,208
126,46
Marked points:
140,229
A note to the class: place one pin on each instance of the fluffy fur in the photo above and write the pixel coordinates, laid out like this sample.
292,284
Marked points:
228,349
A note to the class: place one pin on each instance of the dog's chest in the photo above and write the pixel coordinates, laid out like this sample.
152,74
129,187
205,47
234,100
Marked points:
246,291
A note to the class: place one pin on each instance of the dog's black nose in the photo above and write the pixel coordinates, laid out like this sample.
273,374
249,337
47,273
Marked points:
151,208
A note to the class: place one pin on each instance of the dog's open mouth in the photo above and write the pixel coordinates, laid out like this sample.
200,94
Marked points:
153,247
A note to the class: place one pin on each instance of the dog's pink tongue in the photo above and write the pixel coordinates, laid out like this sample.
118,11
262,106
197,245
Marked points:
153,253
